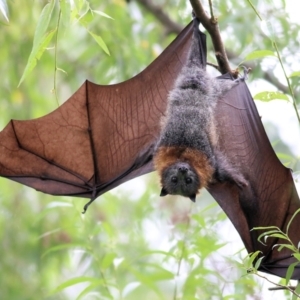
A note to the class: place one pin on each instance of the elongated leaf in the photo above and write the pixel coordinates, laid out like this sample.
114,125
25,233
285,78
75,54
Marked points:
297,290
295,74
41,39
297,255
4,9
130,288
252,257
284,156
87,290
265,228
102,14
268,96
64,247
43,23
259,54
282,246
100,42
291,220
65,7
258,262
86,18
108,260
290,271
266,234
36,54
77,280
79,4
279,235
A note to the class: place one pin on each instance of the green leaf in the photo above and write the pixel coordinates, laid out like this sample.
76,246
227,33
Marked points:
41,39
86,18
295,74
282,246
36,54
264,228
252,257
4,9
107,260
268,96
64,247
290,271
258,262
100,42
297,256
279,235
79,4
65,7
297,290
266,234
129,288
43,24
102,14
291,220
61,70
259,54
284,156
77,280
87,290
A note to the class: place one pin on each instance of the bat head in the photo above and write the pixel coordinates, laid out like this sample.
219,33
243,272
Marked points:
180,179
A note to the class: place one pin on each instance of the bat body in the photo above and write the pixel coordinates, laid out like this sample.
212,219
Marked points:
106,135
187,158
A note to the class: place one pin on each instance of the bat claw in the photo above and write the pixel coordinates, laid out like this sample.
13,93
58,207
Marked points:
87,206
245,76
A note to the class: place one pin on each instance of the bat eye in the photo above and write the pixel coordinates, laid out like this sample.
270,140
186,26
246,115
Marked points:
188,180
174,179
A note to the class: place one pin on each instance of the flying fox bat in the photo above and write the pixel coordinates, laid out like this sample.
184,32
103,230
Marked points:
187,156
106,135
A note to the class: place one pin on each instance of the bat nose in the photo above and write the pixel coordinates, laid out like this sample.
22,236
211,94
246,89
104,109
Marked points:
183,169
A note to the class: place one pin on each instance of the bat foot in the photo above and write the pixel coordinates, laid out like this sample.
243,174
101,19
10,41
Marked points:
245,76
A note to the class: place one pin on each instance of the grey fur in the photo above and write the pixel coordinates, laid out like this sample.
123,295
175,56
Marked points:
189,120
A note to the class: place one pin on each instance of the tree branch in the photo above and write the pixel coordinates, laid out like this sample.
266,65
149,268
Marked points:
173,27
211,25
157,11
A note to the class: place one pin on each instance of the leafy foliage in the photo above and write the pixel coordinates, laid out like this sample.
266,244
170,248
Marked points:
131,244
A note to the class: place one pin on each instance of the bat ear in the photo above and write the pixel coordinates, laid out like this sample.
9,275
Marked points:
163,192
193,198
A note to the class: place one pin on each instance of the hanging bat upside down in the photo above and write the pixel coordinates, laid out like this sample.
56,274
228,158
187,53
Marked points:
210,136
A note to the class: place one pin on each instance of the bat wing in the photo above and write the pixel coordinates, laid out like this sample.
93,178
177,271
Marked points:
101,137
271,198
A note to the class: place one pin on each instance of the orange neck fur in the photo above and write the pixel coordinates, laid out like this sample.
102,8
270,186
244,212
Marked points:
167,156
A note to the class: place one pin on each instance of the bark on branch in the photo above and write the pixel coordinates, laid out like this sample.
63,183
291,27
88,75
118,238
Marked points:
212,27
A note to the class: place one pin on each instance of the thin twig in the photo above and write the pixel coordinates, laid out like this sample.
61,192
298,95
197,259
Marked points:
289,288
182,252
253,7
55,58
277,288
287,80
213,65
291,92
